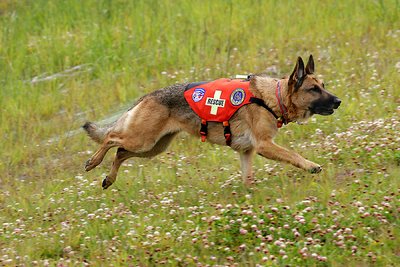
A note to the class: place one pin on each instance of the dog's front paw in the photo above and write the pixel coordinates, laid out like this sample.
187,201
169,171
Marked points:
315,169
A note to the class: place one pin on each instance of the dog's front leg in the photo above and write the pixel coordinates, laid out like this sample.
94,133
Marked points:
273,151
246,162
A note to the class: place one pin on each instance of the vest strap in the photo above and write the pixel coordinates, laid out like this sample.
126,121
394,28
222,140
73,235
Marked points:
203,130
227,133
279,120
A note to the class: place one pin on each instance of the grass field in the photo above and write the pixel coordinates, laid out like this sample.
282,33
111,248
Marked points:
65,62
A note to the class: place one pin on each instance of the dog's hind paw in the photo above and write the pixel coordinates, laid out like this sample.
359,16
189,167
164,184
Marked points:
89,165
316,169
106,183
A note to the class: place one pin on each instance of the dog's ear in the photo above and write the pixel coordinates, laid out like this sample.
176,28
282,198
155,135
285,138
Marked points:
310,65
298,74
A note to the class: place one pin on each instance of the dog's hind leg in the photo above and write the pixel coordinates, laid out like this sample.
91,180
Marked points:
120,157
123,154
98,156
246,161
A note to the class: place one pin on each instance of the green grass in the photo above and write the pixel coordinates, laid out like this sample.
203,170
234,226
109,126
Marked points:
65,62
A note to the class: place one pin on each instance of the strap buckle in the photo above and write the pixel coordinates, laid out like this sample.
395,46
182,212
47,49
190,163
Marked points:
279,122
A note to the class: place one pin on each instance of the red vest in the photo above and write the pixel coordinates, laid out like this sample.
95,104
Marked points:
217,101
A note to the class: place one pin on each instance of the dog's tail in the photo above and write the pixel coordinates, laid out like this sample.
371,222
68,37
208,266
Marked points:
95,132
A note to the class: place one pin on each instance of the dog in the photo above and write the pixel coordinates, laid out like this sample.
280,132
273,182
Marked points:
147,128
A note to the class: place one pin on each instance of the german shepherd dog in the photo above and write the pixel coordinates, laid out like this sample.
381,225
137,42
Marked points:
149,126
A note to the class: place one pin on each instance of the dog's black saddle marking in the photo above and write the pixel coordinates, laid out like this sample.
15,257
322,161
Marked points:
195,84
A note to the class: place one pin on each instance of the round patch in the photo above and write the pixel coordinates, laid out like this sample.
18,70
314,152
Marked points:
198,94
238,96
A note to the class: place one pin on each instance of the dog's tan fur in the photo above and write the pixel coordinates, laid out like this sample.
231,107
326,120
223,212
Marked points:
147,129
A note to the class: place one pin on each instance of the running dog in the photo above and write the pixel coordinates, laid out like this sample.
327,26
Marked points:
244,114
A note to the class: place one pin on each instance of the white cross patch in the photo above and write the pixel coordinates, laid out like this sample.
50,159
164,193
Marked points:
215,102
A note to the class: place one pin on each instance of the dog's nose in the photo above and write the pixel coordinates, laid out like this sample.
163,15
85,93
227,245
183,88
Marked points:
336,102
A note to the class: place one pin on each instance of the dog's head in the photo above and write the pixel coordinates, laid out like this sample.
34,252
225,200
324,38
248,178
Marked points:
308,94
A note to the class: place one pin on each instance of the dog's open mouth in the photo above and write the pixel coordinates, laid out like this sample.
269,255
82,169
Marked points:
326,112
323,112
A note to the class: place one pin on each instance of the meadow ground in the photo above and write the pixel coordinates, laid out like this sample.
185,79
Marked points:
65,62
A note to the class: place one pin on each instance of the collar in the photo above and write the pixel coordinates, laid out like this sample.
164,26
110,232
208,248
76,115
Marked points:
284,118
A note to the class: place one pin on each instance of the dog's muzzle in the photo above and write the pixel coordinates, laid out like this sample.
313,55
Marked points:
325,108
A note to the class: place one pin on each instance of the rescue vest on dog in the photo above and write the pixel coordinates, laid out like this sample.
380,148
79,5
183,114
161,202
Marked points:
217,101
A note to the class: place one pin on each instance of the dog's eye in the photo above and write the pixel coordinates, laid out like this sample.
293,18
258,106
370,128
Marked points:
315,89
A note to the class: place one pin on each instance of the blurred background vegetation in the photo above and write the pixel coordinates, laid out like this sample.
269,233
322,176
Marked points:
65,62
